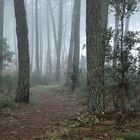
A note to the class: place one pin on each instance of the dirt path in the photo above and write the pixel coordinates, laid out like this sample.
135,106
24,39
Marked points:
30,122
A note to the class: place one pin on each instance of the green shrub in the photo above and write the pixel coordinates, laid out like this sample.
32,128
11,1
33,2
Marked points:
6,102
9,82
132,136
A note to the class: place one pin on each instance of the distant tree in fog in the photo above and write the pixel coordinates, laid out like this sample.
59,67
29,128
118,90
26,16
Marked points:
59,45
49,49
76,44
37,37
1,34
74,47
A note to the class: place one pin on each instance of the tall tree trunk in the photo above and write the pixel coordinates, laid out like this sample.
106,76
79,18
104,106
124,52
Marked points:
23,52
49,57
40,39
53,24
33,37
1,35
59,46
75,74
122,82
37,37
115,47
95,55
124,62
116,38
71,47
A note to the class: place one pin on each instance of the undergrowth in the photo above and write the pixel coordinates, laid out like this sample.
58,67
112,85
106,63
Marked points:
6,101
132,136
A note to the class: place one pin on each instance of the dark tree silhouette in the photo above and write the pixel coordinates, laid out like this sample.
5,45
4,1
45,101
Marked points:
23,52
1,33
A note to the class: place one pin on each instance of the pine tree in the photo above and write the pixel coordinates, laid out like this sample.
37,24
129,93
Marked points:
95,55
23,52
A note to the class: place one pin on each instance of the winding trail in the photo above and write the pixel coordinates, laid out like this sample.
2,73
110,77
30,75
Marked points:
31,122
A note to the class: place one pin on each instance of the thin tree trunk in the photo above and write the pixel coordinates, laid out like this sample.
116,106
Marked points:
75,74
115,48
122,82
23,52
33,41
1,35
116,38
54,26
40,40
49,57
60,32
127,24
37,37
71,47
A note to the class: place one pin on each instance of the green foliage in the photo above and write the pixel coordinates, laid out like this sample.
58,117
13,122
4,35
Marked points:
124,7
132,136
87,120
7,88
8,83
107,36
5,102
7,54
121,65
83,120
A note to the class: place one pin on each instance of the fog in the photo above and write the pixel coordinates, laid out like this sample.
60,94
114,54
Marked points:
43,19
69,69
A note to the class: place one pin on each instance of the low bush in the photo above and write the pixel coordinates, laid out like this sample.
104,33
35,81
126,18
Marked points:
6,102
132,136
8,83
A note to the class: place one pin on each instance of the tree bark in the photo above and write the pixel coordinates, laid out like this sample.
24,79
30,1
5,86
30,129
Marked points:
23,52
95,55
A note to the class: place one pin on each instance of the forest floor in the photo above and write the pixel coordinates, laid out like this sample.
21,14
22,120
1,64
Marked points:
51,116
